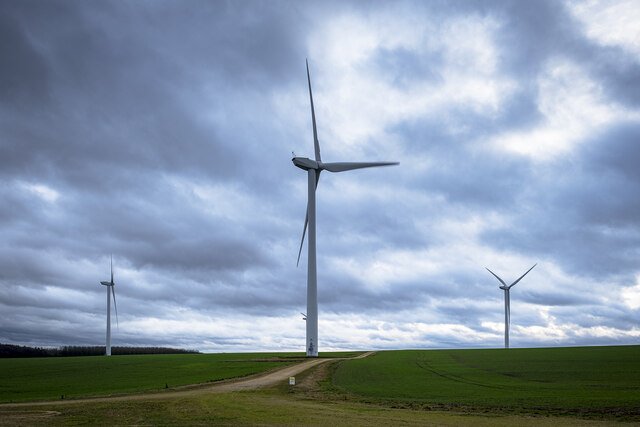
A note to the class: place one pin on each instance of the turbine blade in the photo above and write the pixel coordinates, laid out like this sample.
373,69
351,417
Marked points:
115,306
513,284
306,222
316,144
347,166
496,276
111,268
304,231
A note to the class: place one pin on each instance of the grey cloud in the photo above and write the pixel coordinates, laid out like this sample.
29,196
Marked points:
23,74
586,217
111,104
620,72
557,298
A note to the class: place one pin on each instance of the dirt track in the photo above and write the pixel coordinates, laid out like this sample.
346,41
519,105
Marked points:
253,382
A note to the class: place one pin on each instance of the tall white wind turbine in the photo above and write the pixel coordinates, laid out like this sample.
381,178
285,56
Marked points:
507,303
110,291
313,168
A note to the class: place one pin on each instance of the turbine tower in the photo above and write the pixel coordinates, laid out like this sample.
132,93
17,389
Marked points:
110,290
313,168
507,303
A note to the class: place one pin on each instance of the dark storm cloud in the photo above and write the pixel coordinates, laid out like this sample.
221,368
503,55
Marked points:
23,74
351,295
533,32
103,103
117,121
619,72
161,132
614,153
122,84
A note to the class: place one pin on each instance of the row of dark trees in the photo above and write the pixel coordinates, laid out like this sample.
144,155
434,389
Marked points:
10,350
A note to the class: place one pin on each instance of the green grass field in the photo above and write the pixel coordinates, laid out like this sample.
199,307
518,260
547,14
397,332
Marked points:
50,378
263,408
538,387
582,379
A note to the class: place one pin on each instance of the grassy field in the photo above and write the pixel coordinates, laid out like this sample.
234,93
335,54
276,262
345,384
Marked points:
307,403
558,380
537,387
264,408
51,378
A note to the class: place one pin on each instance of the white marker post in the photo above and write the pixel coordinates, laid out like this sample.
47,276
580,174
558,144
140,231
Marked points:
292,380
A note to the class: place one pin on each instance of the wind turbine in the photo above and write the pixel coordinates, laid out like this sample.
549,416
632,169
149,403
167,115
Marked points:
507,303
313,168
110,290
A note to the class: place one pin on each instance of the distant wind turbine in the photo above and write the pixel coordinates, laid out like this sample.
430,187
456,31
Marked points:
507,303
313,168
110,290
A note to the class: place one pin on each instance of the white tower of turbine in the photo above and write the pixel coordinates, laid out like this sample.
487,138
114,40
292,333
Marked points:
313,168
507,303
110,291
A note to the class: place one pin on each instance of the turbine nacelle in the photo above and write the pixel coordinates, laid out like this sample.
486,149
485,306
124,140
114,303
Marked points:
306,163
106,283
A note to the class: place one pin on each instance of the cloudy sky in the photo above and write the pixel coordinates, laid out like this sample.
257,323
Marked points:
161,132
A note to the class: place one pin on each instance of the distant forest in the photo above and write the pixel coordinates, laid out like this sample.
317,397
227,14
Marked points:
10,350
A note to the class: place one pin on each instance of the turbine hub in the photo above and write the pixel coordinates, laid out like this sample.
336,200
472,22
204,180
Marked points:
305,163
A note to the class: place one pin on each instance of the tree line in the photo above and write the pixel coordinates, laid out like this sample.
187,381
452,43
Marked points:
11,350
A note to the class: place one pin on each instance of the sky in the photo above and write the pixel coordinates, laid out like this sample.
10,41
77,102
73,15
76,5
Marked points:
161,133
